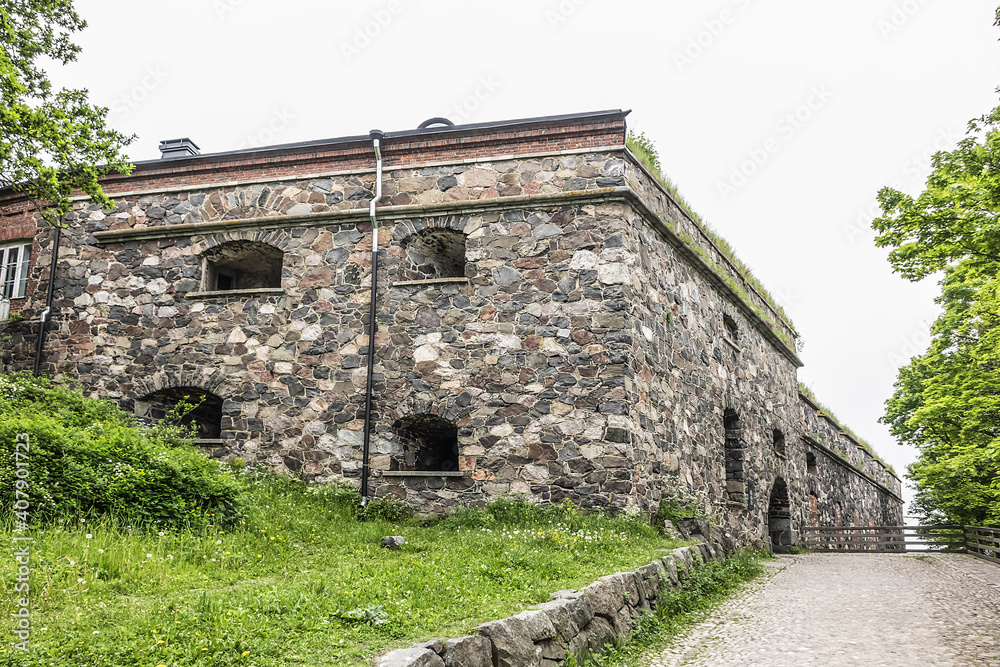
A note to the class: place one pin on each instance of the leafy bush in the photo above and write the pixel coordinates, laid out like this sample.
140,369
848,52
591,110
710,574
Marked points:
88,457
387,508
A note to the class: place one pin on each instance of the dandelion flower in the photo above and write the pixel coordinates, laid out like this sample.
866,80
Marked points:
89,536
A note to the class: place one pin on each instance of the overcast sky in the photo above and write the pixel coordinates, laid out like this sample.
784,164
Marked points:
779,120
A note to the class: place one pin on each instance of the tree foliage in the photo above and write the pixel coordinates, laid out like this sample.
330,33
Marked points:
51,142
947,401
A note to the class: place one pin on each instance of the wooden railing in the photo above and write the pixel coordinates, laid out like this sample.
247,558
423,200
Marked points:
983,542
890,539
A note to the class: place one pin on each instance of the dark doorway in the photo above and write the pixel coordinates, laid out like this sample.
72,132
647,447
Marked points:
779,518
205,417
429,443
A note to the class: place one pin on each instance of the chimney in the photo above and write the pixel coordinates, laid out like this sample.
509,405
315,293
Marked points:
174,148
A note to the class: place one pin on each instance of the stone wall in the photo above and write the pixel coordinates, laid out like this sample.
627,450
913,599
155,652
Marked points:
844,475
574,622
580,353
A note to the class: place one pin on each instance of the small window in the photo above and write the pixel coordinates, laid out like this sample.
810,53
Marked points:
239,265
811,464
779,442
14,261
428,443
731,331
205,416
434,253
733,452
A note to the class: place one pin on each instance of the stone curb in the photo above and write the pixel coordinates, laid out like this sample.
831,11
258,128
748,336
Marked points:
578,622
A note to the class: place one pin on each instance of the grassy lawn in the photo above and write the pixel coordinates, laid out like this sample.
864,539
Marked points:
300,582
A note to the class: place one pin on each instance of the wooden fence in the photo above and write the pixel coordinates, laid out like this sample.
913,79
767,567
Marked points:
982,542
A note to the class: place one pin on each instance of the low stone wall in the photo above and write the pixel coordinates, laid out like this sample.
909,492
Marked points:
577,622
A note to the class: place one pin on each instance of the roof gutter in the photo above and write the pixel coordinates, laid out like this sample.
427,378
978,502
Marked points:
376,137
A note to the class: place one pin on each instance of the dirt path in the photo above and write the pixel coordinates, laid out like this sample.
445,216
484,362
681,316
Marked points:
853,609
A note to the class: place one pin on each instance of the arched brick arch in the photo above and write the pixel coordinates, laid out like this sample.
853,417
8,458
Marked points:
198,379
277,238
452,409
408,227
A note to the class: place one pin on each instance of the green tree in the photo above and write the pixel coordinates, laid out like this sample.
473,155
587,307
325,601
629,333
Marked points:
51,142
947,401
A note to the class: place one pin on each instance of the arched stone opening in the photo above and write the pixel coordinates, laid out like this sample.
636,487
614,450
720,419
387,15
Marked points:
434,253
237,265
428,443
205,417
811,467
779,517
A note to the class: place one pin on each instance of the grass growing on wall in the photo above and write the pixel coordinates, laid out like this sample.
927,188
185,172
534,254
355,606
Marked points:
645,151
846,429
679,609
300,580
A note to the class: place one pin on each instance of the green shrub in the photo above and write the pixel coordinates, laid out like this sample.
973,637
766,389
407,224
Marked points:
87,457
387,508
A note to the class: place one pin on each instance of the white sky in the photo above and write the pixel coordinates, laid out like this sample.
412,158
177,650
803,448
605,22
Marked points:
712,83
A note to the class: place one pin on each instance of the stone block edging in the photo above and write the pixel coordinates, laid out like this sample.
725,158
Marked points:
578,622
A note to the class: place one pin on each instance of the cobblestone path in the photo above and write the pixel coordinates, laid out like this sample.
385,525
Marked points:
853,609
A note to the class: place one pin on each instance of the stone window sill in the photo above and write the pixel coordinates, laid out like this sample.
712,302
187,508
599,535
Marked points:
424,473
736,346
736,504
210,442
256,291
430,281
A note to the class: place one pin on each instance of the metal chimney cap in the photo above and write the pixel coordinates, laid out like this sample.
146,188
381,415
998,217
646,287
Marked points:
174,148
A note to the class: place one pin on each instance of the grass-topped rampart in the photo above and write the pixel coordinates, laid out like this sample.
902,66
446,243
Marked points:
774,315
808,393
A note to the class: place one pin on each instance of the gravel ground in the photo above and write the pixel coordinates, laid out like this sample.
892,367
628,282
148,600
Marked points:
853,609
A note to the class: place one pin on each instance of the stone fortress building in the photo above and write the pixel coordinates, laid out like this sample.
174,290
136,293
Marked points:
550,322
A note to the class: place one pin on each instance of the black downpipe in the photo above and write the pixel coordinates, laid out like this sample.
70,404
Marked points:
44,319
376,136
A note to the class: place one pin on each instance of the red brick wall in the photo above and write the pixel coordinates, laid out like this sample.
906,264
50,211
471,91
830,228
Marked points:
448,146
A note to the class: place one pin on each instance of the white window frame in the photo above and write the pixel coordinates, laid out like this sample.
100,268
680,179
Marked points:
14,261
